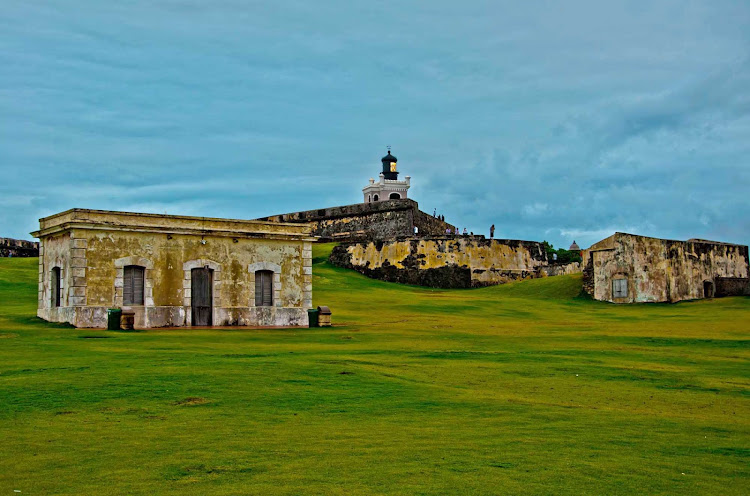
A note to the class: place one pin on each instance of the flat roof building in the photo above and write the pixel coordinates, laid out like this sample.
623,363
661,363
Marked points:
173,270
626,268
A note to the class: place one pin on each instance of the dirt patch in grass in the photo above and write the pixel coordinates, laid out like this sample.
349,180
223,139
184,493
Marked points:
191,401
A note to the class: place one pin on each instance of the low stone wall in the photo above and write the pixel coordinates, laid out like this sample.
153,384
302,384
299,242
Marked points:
367,221
10,247
561,270
732,286
444,262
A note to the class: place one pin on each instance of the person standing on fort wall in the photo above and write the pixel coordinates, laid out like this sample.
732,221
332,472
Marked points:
492,231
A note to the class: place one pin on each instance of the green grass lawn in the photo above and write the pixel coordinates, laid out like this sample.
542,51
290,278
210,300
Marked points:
516,389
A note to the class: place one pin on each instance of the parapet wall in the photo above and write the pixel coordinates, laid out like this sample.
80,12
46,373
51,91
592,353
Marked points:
367,221
562,269
18,248
444,261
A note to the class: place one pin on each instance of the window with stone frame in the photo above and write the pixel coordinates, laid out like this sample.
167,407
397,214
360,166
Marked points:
132,285
263,288
620,288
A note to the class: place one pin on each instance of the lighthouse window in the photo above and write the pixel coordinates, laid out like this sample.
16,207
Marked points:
375,198
393,166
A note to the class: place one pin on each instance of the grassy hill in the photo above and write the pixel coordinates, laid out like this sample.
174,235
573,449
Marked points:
515,389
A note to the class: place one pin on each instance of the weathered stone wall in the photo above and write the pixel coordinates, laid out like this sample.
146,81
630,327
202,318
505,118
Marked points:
562,269
588,274
732,286
10,247
92,258
446,262
366,221
660,270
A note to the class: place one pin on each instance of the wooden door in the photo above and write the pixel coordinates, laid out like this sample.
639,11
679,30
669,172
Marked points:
201,296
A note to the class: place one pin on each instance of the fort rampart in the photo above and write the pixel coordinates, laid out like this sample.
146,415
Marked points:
444,261
385,220
10,247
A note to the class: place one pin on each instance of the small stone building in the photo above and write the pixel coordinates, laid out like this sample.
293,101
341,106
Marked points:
173,270
625,268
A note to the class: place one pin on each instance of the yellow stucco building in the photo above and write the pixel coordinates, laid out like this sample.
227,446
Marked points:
173,270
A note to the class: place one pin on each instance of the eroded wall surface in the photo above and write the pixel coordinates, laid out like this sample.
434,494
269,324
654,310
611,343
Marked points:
448,262
366,221
659,270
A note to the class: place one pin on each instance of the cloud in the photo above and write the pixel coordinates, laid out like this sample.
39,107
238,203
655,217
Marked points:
569,121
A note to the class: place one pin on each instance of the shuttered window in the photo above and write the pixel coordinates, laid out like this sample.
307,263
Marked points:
56,287
620,288
132,285
264,288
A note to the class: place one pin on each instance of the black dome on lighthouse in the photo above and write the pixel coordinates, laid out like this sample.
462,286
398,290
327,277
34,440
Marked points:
389,158
389,166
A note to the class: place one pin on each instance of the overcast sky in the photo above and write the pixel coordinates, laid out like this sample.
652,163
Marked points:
553,120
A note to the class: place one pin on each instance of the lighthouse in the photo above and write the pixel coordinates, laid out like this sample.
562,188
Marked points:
388,187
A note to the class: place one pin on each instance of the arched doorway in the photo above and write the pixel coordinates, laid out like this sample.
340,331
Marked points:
708,289
394,196
375,198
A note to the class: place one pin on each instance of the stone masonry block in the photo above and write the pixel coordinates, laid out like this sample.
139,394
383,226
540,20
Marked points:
78,272
80,243
78,263
77,301
77,291
78,253
307,270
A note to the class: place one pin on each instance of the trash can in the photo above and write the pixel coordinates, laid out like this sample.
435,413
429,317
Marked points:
312,317
324,317
113,319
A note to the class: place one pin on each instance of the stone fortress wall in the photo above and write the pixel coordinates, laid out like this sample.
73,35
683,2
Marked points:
444,261
384,220
10,247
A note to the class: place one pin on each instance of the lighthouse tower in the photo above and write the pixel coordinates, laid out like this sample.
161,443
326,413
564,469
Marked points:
388,186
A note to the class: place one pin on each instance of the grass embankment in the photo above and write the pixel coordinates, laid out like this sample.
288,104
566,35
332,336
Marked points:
518,389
